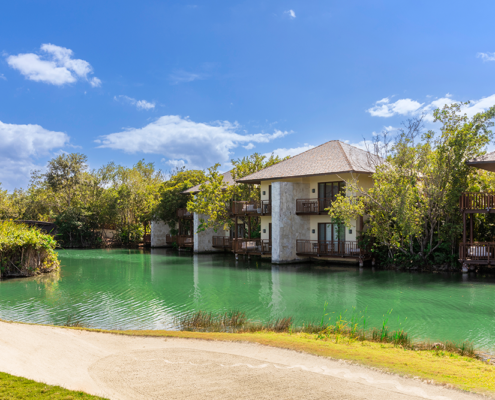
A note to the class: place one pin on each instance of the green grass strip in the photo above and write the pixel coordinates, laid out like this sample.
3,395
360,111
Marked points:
13,387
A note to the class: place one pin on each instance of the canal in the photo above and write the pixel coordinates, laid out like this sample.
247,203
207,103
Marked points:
134,289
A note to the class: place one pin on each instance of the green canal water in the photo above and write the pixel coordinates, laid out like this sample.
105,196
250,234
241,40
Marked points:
126,289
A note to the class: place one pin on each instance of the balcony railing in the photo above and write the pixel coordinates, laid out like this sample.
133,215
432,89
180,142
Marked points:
184,214
185,240
329,248
252,246
222,242
477,201
251,208
170,239
313,206
481,251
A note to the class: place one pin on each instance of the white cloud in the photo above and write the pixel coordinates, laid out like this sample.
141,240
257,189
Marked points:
140,104
175,163
184,77
56,66
486,56
290,13
249,146
21,146
283,152
383,108
198,144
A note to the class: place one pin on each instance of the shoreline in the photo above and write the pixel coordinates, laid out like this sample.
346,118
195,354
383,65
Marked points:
447,371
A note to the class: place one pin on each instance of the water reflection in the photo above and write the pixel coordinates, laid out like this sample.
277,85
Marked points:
147,290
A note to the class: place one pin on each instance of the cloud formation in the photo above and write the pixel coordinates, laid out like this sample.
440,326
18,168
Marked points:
21,146
408,107
184,77
486,56
290,13
199,144
55,66
140,104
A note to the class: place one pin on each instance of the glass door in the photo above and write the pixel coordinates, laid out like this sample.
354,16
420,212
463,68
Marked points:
327,192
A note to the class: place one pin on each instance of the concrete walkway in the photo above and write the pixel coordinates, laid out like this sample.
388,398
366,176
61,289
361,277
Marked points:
123,367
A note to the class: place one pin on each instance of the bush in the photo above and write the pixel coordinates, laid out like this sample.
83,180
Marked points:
25,251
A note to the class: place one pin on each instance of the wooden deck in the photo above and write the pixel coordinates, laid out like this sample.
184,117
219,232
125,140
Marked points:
477,202
185,241
251,208
170,239
319,248
222,242
481,253
252,246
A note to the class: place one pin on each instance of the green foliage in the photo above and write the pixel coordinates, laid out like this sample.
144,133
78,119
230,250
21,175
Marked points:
76,228
413,207
171,197
25,250
16,388
215,195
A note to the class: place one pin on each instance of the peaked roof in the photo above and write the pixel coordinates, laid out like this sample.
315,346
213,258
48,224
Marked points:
329,158
484,162
227,178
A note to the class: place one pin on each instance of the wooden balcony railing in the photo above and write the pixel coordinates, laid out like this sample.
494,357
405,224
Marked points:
147,238
481,251
313,206
319,248
185,240
477,201
251,208
170,239
222,242
184,214
252,246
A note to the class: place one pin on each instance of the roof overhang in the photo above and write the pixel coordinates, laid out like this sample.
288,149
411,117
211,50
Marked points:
276,178
486,165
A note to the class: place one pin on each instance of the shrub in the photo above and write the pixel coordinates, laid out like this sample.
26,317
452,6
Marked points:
25,251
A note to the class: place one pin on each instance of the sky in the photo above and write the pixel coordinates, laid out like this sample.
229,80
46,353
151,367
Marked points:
202,82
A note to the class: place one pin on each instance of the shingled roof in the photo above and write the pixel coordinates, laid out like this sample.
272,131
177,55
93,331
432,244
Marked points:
484,162
329,158
227,178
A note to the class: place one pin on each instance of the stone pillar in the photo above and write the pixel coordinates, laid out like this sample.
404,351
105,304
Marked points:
203,241
159,230
287,227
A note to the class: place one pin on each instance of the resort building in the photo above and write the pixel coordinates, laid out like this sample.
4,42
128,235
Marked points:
294,196
472,252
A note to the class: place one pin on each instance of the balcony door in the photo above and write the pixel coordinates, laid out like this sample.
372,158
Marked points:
327,192
331,238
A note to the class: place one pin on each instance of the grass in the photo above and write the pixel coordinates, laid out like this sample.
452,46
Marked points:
14,387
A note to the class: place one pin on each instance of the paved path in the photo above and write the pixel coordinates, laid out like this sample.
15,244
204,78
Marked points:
124,367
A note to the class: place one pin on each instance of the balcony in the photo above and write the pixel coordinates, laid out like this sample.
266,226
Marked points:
477,202
185,240
313,206
182,213
252,246
252,208
477,253
329,248
222,242
170,239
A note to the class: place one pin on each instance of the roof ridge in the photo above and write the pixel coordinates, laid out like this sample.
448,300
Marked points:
345,154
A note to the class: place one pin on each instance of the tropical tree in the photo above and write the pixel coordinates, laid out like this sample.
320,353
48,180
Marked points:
412,209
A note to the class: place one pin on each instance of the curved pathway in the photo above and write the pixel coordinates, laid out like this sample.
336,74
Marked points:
125,367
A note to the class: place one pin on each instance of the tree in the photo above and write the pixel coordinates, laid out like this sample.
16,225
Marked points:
65,173
215,196
412,209
171,197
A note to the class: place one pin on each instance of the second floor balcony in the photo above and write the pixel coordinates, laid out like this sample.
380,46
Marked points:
254,208
313,206
182,213
185,241
480,202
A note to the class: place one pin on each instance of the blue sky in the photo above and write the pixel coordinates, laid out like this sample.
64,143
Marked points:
199,82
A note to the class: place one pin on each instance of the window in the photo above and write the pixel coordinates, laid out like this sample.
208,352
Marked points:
327,192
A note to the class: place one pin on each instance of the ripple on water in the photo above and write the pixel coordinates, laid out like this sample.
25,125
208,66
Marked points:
132,289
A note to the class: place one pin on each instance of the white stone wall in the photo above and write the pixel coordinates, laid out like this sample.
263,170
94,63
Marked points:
159,230
287,227
203,240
